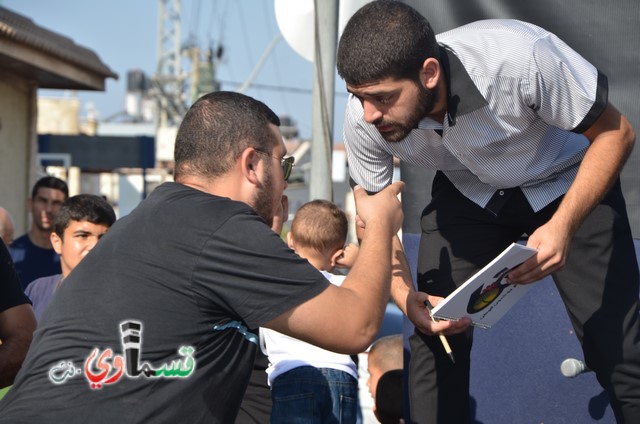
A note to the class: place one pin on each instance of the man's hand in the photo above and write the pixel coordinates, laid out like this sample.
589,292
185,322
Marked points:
280,215
383,206
552,243
420,317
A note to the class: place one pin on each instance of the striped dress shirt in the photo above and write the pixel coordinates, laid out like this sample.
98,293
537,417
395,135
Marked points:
518,99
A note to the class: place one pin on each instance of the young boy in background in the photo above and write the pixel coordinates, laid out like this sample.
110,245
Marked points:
83,219
385,362
305,380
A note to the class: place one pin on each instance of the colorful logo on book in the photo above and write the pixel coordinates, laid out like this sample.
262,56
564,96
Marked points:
102,367
485,295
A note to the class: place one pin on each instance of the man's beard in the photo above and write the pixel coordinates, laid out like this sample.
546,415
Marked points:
263,201
425,103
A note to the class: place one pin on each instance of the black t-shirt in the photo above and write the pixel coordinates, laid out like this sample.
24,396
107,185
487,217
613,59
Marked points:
185,270
256,403
33,262
11,292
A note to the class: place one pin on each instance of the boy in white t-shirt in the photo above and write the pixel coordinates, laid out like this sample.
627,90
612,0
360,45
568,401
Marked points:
307,381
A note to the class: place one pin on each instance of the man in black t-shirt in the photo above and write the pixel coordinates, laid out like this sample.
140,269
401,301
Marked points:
32,253
153,325
17,321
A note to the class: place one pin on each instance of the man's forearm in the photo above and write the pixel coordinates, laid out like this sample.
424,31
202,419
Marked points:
612,140
368,268
401,279
12,353
17,325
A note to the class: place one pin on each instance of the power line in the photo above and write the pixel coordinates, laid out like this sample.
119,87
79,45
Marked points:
275,62
278,88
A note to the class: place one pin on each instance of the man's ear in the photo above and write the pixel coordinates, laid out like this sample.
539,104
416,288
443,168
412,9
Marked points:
56,242
249,161
430,73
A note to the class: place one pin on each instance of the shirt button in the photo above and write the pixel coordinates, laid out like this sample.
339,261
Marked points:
501,192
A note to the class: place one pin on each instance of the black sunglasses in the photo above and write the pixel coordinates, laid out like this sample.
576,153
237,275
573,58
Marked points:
286,163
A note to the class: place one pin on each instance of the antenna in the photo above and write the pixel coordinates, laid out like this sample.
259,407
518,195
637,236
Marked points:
169,81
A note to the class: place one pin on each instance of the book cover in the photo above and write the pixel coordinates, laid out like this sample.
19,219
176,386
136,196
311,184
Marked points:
487,296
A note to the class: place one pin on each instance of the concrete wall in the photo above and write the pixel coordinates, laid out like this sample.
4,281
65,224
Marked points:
17,142
58,115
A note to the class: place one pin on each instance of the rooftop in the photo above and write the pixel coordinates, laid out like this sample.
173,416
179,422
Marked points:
51,59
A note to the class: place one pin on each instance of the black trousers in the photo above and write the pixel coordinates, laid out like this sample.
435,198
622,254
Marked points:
599,286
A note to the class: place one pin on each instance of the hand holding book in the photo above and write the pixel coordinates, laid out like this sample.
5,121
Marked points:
487,295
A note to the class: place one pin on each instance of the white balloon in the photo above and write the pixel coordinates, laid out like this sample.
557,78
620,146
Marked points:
297,24
346,10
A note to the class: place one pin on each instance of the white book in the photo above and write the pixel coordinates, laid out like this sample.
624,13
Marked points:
487,295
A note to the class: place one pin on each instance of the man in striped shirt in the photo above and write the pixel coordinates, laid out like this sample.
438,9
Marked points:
519,128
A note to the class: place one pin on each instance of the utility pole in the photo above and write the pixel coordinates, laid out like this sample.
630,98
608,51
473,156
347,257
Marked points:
169,81
326,37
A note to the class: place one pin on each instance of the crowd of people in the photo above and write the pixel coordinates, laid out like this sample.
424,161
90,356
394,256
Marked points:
192,308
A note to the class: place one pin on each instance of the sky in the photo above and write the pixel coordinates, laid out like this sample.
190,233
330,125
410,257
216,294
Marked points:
123,33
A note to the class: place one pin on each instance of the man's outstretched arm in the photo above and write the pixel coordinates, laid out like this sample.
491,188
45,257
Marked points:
17,325
346,319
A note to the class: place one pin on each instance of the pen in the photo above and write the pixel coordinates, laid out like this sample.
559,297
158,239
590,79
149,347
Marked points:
443,339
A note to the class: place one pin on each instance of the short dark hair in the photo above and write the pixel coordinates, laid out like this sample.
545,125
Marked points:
83,207
217,129
385,39
389,397
50,182
321,225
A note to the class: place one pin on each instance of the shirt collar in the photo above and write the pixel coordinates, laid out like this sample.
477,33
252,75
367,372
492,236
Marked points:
462,95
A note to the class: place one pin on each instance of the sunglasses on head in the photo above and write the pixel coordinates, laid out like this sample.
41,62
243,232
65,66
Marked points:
286,163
